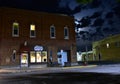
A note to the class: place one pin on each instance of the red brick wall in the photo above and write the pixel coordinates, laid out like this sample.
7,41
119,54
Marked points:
42,21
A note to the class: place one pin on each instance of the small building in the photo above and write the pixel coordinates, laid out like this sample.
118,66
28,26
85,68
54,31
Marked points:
87,56
32,37
107,49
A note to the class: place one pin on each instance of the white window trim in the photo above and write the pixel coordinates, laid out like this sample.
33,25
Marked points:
13,35
66,37
34,31
51,32
14,55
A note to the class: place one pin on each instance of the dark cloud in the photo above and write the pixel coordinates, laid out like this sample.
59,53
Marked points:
98,22
96,15
117,10
85,21
109,15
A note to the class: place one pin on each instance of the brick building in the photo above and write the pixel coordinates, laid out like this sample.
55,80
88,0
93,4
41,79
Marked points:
31,37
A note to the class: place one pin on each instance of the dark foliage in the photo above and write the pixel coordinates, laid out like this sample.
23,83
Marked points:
95,3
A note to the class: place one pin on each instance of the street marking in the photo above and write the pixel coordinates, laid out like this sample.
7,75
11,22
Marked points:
89,66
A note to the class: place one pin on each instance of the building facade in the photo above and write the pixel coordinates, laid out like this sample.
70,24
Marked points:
107,49
31,37
87,56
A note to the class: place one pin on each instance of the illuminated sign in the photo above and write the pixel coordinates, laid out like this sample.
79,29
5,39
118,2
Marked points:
38,48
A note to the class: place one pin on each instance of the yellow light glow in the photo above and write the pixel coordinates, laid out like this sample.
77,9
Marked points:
15,23
32,27
108,45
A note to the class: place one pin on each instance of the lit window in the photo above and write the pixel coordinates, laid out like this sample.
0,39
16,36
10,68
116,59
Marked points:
32,31
32,57
52,32
15,32
37,57
108,45
66,33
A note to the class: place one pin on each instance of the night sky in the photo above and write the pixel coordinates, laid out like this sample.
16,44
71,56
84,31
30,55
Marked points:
39,5
94,21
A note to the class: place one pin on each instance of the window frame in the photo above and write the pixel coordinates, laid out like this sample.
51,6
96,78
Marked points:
117,44
66,30
52,32
34,31
14,55
15,29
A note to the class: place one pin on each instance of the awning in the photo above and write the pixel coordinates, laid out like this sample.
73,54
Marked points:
24,48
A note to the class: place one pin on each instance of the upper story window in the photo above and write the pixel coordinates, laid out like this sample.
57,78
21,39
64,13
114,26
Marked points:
32,30
117,44
66,33
15,31
52,32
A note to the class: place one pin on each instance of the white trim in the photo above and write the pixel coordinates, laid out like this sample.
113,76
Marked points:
13,33
66,37
33,30
51,32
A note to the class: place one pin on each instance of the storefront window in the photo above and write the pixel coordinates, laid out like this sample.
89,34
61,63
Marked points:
37,57
32,57
44,56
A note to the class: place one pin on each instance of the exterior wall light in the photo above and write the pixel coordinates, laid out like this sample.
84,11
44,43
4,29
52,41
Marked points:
108,45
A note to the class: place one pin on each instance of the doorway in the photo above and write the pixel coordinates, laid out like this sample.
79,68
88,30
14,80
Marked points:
24,60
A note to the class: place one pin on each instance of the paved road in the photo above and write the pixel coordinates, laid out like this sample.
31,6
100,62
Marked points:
33,70
112,69
61,75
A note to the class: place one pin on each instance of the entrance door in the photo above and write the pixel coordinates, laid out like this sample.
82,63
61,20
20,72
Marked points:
24,60
62,58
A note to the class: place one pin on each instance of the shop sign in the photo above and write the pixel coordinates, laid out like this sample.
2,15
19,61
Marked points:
38,48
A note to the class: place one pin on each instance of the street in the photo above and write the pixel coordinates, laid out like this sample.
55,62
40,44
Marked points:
91,74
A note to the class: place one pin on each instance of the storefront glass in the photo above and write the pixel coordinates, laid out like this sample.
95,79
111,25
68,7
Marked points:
32,57
37,57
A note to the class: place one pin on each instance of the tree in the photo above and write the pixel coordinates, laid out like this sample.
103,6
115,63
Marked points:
84,1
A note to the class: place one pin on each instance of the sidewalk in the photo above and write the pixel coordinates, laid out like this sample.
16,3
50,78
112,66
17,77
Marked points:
18,69
35,68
